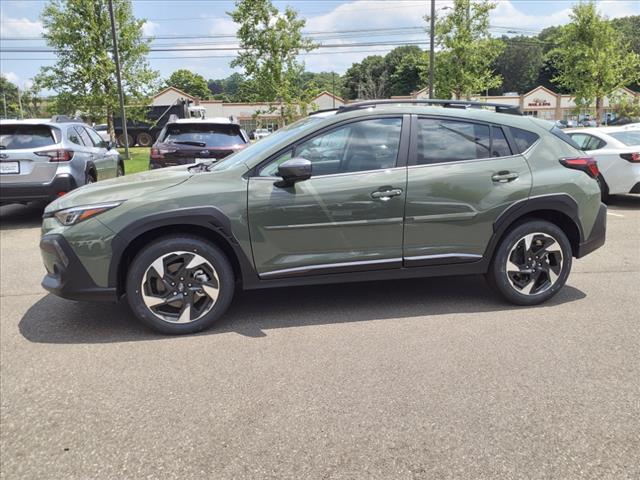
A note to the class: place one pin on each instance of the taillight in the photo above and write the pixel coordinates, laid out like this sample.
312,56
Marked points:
631,157
156,154
57,155
587,165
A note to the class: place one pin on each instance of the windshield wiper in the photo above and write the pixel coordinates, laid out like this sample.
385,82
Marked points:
195,144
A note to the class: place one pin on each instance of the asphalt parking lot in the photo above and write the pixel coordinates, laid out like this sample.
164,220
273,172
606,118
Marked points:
421,379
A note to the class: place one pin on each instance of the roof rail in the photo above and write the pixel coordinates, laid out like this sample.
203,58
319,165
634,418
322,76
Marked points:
464,104
64,119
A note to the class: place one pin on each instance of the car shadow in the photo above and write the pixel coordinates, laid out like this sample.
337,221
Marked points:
13,217
624,202
253,313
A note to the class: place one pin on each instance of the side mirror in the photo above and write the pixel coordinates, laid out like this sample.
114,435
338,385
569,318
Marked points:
109,145
292,171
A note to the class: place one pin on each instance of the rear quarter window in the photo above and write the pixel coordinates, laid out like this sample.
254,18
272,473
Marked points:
524,138
565,138
25,137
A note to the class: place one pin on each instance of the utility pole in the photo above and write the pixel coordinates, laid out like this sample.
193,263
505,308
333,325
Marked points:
432,46
116,58
333,88
4,100
20,103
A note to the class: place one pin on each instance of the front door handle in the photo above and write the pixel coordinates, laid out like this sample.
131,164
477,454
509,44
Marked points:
385,195
504,177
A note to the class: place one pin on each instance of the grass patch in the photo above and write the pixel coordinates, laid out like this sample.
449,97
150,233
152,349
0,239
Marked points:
139,161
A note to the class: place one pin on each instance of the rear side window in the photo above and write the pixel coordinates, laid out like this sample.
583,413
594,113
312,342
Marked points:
84,136
564,137
524,138
451,141
499,144
73,136
203,135
24,137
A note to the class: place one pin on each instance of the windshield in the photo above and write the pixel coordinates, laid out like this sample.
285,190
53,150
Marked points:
204,135
24,137
628,138
279,137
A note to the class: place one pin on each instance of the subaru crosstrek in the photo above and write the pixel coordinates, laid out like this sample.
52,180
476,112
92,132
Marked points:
43,159
370,191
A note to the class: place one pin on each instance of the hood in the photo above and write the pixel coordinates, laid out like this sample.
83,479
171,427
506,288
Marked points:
122,188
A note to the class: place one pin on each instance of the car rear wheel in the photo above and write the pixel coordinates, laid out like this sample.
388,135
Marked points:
121,138
144,139
180,285
531,264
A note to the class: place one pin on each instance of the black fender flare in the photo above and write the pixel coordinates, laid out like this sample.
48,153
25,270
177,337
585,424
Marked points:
210,218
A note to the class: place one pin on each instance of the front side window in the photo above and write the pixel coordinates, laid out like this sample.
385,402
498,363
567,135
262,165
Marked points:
355,147
271,169
451,141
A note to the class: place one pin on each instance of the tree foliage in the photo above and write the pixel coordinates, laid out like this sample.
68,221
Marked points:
9,98
84,75
467,50
593,59
192,83
270,43
519,64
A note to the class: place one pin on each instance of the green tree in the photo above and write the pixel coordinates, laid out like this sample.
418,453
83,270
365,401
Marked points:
368,79
189,82
410,74
84,76
270,42
9,99
629,28
592,58
323,81
467,50
519,64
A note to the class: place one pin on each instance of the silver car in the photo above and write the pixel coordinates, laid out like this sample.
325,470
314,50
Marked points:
41,160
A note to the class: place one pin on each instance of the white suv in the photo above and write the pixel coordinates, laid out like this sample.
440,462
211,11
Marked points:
41,160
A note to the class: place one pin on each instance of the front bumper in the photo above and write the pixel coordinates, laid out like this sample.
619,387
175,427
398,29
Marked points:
29,192
598,233
66,276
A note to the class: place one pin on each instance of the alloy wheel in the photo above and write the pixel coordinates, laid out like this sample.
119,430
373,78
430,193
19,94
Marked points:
534,263
180,287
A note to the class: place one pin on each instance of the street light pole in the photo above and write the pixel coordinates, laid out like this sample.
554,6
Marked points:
432,46
116,59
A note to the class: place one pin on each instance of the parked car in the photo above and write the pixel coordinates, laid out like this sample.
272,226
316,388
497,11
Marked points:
189,140
260,133
587,122
44,159
103,131
617,150
619,121
369,191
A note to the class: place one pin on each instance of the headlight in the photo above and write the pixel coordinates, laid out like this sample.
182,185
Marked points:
71,216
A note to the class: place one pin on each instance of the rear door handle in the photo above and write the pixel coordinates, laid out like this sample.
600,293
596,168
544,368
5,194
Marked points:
504,177
385,195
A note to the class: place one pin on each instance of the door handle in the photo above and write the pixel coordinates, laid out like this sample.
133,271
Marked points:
385,195
504,177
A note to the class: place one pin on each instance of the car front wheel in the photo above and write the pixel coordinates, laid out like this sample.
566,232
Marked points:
180,285
531,264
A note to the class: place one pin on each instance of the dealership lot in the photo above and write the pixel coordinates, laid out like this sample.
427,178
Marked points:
432,378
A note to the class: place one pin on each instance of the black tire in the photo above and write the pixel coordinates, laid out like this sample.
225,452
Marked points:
144,139
120,170
90,177
140,269
121,140
511,246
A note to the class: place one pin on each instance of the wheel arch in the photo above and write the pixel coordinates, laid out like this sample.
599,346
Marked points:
91,169
561,210
208,223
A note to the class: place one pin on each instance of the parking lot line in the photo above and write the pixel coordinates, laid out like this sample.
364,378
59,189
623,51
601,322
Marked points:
615,214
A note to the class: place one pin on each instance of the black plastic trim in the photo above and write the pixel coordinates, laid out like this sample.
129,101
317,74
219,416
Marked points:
597,236
70,279
27,192
359,266
635,188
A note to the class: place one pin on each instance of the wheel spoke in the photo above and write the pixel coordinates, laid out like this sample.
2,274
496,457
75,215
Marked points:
195,261
528,240
211,291
158,266
154,301
512,267
185,314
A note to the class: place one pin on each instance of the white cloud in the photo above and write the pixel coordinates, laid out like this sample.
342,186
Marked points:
20,27
149,28
12,77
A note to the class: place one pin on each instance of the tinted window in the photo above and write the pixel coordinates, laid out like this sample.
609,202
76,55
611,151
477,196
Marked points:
355,147
524,138
95,138
73,136
22,137
271,169
499,144
203,135
564,137
451,141
628,138
84,136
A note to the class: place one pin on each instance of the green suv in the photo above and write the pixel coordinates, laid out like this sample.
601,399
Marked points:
370,191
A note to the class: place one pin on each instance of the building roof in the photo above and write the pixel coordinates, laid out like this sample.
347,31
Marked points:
324,92
177,90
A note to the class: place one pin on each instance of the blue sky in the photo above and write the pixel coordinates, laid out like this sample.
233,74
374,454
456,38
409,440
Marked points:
20,19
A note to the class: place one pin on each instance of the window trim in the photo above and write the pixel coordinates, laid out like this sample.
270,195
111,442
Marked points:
78,129
413,147
89,130
401,160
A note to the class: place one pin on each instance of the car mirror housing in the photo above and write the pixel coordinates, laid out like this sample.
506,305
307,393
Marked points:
292,171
